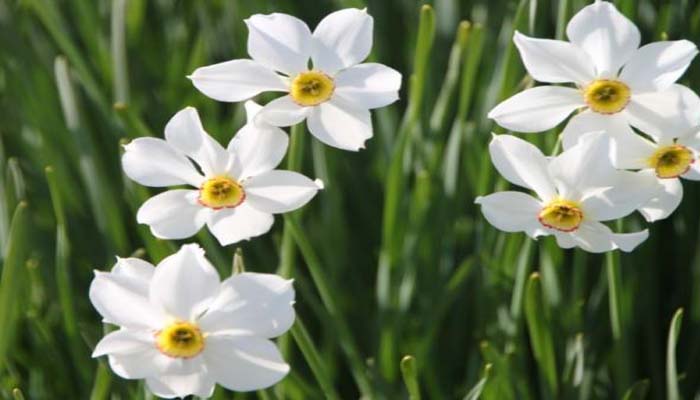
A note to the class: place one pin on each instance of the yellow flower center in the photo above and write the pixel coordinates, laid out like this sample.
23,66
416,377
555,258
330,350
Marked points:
221,192
311,88
562,215
671,161
607,96
180,340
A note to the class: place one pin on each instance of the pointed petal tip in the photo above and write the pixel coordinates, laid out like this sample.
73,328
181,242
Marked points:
319,183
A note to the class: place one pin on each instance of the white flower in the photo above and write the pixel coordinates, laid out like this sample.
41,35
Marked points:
666,157
615,80
335,95
183,331
575,191
238,188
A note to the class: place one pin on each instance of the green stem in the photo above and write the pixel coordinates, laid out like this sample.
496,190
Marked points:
311,354
323,286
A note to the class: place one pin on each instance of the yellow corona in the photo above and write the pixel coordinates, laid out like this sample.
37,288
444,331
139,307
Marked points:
311,88
607,96
562,215
671,161
221,192
180,340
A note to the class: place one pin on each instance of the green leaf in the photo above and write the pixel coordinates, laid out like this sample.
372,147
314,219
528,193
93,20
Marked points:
476,391
638,391
409,371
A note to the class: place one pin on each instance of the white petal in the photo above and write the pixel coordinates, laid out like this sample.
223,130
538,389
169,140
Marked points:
665,202
584,166
243,363
671,113
280,42
282,111
185,283
554,61
631,190
236,80
139,273
174,214
251,110
125,341
564,240
594,237
144,363
512,212
693,172
258,148
537,109
656,66
368,85
342,39
629,241
153,162
339,125
588,121
184,132
631,151
120,301
522,164
232,225
252,304
200,384
605,34
279,191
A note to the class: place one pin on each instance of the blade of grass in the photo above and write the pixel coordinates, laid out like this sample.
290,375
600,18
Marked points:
541,333
672,392
409,371
312,357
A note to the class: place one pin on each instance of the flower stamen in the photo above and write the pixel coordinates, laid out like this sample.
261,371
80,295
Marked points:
562,215
671,161
311,88
221,192
607,96
180,340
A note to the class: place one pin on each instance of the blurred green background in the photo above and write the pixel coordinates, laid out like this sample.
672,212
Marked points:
392,259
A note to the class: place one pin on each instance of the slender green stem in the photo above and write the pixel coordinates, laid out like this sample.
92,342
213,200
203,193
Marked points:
612,266
119,62
323,285
672,392
409,370
311,354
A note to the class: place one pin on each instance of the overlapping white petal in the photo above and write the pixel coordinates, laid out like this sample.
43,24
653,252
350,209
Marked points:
369,85
258,148
280,191
512,212
522,164
339,125
672,59
554,61
236,80
281,42
668,113
232,225
283,111
236,318
342,39
153,162
184,283
174,214
252,304
537,109
609,38
244,363
665,202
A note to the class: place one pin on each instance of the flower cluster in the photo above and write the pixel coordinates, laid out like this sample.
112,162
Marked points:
181,328
630,116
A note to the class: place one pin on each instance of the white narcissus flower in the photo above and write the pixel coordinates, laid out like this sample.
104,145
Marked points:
237,190
616,80
183,330
576,190
334,95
